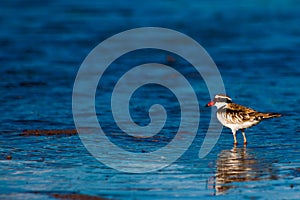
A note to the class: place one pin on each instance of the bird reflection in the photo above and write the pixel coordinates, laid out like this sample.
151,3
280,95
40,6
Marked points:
238,165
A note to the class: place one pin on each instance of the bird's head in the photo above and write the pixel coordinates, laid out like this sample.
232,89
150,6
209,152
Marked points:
219,101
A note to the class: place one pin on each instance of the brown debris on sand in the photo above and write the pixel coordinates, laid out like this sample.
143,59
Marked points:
76,197
8,157
48,132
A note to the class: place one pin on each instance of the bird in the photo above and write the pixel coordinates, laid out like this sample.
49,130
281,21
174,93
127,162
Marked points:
237,117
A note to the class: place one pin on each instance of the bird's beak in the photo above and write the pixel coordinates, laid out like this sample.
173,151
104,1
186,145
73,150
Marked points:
210,104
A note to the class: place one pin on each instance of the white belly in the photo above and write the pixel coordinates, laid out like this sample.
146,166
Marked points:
234,126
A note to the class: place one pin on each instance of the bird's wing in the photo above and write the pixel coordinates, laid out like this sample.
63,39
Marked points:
234,113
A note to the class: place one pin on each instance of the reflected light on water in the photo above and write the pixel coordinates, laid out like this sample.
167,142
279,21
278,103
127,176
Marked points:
239,165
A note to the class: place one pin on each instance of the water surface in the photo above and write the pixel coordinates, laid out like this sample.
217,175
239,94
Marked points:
255,46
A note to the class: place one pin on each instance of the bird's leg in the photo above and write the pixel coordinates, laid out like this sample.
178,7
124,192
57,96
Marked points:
234,136
244,135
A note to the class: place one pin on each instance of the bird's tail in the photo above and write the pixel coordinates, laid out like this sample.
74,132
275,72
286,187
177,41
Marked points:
270,115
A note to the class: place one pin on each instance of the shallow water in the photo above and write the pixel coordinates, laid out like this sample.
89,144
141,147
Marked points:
255,46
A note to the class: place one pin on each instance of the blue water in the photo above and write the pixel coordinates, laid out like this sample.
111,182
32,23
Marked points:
255,45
